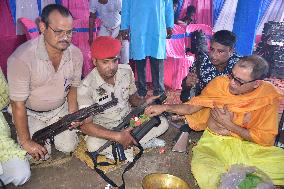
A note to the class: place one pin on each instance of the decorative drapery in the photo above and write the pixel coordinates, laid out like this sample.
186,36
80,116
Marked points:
274,12
226,17
217,7
245,24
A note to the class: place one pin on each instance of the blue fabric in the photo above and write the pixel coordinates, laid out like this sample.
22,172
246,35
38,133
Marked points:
58,2
32,30
217,7
264,7
177,13
39,7
13,9
147,21
245,24
84,29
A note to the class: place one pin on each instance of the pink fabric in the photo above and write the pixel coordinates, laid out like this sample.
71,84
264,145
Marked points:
29,25
175,69
257,39
185,4
204,10
80,39
9,41
176,46
7,26
78,8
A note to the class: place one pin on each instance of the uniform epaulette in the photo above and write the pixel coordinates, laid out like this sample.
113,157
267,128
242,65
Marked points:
124,66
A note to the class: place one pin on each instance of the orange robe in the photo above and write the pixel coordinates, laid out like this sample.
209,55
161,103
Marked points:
256,111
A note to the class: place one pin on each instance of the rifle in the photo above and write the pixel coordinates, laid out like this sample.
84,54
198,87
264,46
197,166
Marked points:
63,124
126,121
138,133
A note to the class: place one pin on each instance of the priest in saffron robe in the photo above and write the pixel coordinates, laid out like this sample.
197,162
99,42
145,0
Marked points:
239,114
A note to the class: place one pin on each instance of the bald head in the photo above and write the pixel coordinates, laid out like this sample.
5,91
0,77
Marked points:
258,66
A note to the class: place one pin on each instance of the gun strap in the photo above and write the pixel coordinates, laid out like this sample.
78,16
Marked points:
95,155
2,184
131,164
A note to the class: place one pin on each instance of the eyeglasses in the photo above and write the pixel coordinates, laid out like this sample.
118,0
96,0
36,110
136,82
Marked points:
61,33
238,81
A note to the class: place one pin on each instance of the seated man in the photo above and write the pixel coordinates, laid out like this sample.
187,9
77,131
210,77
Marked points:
43,74
110,77
219,61
14,168
239,114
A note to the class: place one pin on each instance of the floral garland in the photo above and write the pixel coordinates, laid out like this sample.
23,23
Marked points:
137,121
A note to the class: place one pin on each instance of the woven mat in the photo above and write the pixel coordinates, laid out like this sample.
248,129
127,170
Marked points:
51,162
80,153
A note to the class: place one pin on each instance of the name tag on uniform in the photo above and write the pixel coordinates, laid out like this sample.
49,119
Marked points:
103,98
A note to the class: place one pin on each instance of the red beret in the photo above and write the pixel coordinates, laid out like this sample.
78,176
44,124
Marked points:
105,47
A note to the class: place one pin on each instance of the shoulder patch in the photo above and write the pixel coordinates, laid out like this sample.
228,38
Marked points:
124,66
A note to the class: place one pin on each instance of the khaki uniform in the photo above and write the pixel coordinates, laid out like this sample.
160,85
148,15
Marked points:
33,79
94,89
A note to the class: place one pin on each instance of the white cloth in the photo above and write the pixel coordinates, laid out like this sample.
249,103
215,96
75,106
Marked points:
108,13
275,13
225,21
124,52
15,171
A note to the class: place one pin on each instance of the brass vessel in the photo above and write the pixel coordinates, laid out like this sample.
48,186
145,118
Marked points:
163,181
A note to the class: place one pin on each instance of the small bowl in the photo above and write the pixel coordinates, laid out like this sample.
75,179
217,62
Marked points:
163,181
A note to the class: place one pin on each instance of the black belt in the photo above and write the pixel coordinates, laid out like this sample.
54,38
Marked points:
38,111
43,111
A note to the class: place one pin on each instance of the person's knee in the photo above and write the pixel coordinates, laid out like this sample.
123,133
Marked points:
67,146
21,176
66,142
93,143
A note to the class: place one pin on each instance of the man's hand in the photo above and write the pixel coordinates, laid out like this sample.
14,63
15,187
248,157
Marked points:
222,116
151,99
124,34
155,110
75,124
191,79
169,33
34,149
126,139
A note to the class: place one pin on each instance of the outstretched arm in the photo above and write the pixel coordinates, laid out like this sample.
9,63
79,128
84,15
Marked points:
180,109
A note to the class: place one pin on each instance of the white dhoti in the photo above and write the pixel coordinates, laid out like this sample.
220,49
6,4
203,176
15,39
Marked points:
15,171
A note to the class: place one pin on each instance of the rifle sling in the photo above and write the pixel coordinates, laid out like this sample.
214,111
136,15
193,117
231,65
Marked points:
2,184
94,157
